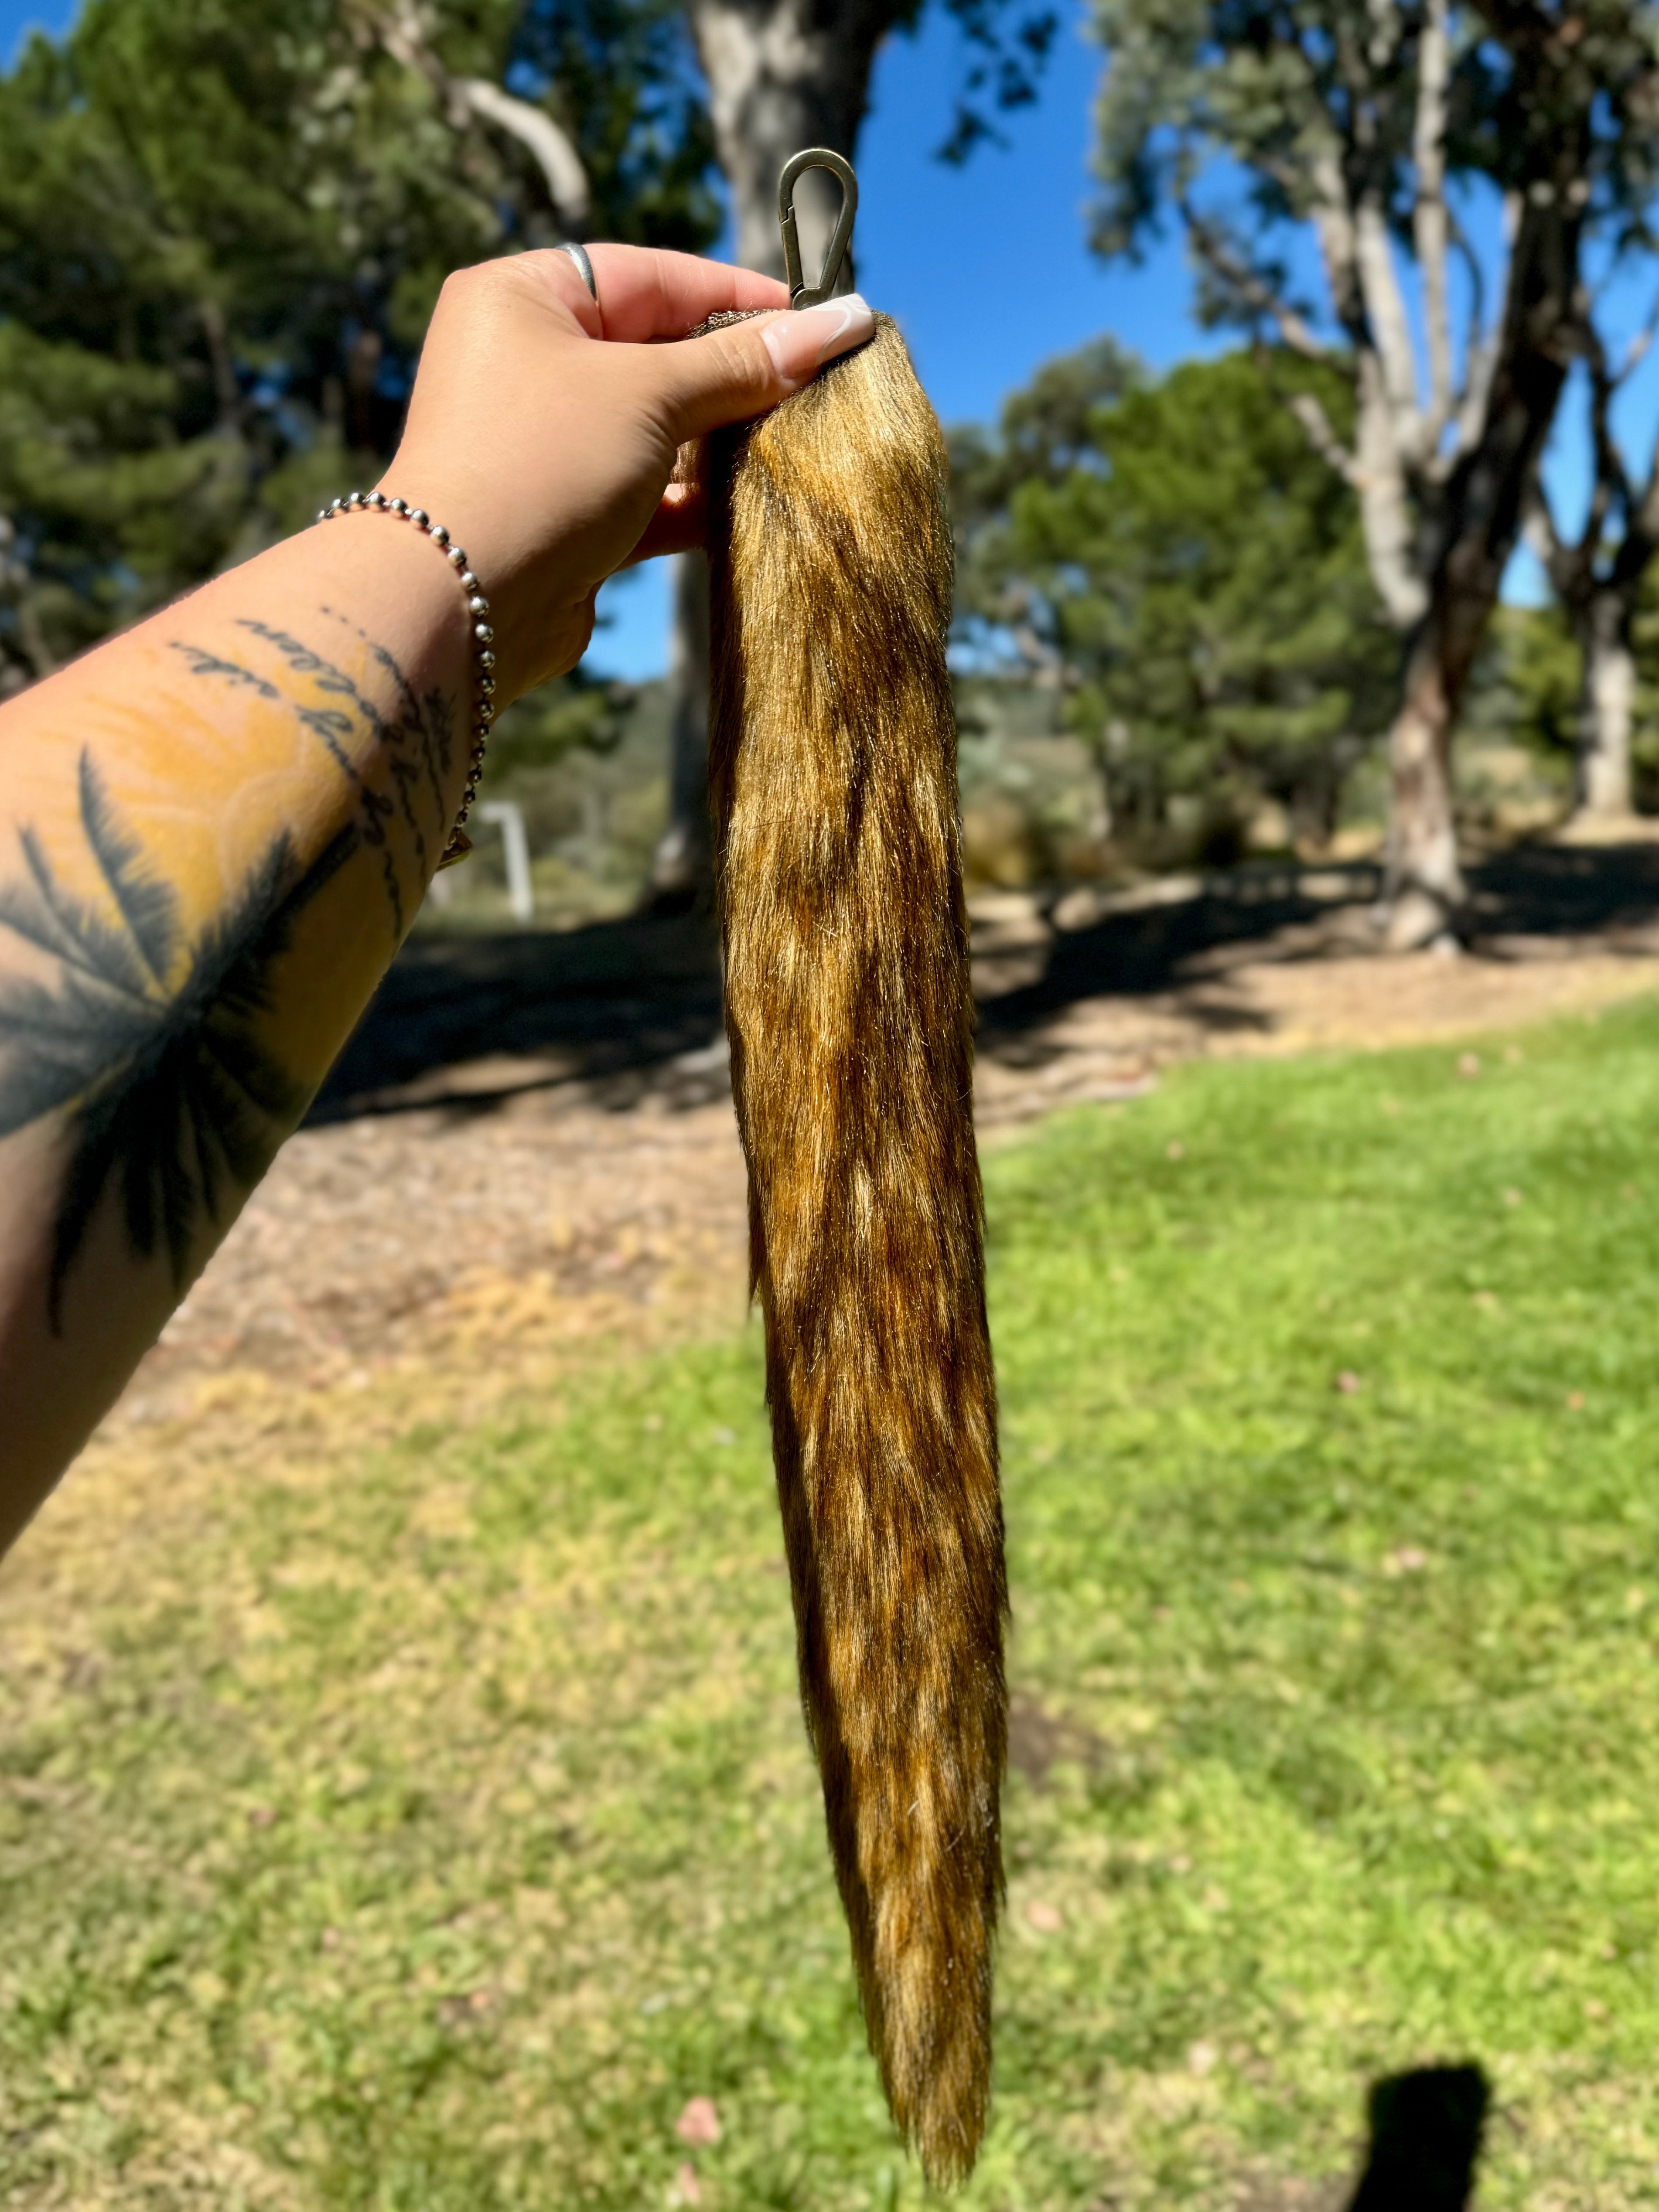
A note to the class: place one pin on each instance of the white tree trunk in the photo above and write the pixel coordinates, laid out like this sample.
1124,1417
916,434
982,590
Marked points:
1424,890
780,78
1438,524
1387,524
1605,712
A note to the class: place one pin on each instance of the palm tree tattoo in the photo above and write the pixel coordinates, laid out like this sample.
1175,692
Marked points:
149,1040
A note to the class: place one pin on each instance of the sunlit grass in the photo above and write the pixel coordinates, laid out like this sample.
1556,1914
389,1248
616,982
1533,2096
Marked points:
417,1816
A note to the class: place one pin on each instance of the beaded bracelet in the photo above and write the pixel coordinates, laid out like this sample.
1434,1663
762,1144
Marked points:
484,637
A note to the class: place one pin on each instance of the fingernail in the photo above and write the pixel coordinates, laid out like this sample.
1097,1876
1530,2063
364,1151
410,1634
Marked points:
805,338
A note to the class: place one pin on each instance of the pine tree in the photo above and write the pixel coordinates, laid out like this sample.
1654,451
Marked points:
1177,556
223,224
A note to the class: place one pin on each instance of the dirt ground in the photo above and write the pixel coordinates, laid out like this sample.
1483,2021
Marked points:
529,1145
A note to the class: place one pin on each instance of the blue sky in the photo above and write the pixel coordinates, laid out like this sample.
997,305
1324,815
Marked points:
988,270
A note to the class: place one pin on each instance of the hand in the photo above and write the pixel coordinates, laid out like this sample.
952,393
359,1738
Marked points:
543,427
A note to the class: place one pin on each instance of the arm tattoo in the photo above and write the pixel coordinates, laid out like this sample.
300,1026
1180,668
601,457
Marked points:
147,1038
152,1042
203,663
414,744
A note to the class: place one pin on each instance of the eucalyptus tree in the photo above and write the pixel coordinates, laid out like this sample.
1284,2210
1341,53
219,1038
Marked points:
1599,577
1372,129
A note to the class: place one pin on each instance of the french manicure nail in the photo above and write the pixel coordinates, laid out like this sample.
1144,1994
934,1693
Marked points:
805,338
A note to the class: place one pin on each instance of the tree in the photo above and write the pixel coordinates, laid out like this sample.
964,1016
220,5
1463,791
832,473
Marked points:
1598,578
223,226
1195,573
1044,434
1370,128
1534,688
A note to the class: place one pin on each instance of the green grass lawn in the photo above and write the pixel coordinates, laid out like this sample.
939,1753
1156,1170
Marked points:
417,1817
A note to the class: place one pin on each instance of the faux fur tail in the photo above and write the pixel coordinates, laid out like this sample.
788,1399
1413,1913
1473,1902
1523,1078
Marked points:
833,774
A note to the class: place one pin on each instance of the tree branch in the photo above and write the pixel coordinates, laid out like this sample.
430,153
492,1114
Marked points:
1385,313
534,128
32,638
227,392
1430,228
1377,467
1641,538
1636,351
1542,533
1333,221
1476,329
1612,483
1323,438
1482,365
1253,288
402,32
1641,532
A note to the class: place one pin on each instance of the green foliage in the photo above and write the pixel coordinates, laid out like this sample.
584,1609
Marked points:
1044,432
574,711
1192,570
1527,682
223,224
405,1808
620,76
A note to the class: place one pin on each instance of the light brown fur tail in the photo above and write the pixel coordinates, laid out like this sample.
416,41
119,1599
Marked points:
833,775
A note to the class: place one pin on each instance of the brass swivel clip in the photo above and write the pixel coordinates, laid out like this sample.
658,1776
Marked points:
801,294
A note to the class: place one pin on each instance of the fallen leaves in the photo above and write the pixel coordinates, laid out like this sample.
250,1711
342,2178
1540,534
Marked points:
699,2122
1407,1559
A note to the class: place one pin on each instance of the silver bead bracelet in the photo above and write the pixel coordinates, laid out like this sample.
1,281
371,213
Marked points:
483,638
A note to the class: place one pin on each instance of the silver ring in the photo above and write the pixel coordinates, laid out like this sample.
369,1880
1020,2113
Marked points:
584,267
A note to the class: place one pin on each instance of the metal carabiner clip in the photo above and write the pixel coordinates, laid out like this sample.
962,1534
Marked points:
816,157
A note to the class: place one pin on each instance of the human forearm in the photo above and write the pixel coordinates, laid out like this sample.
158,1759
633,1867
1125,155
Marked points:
214,833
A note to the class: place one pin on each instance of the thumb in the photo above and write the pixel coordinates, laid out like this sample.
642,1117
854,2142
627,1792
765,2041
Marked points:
729,375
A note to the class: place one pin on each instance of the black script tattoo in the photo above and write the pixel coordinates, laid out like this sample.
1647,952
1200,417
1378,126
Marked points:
332,726
413,743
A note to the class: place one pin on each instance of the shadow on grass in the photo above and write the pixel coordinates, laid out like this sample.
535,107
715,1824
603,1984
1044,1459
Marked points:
634,1005
1425,2130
